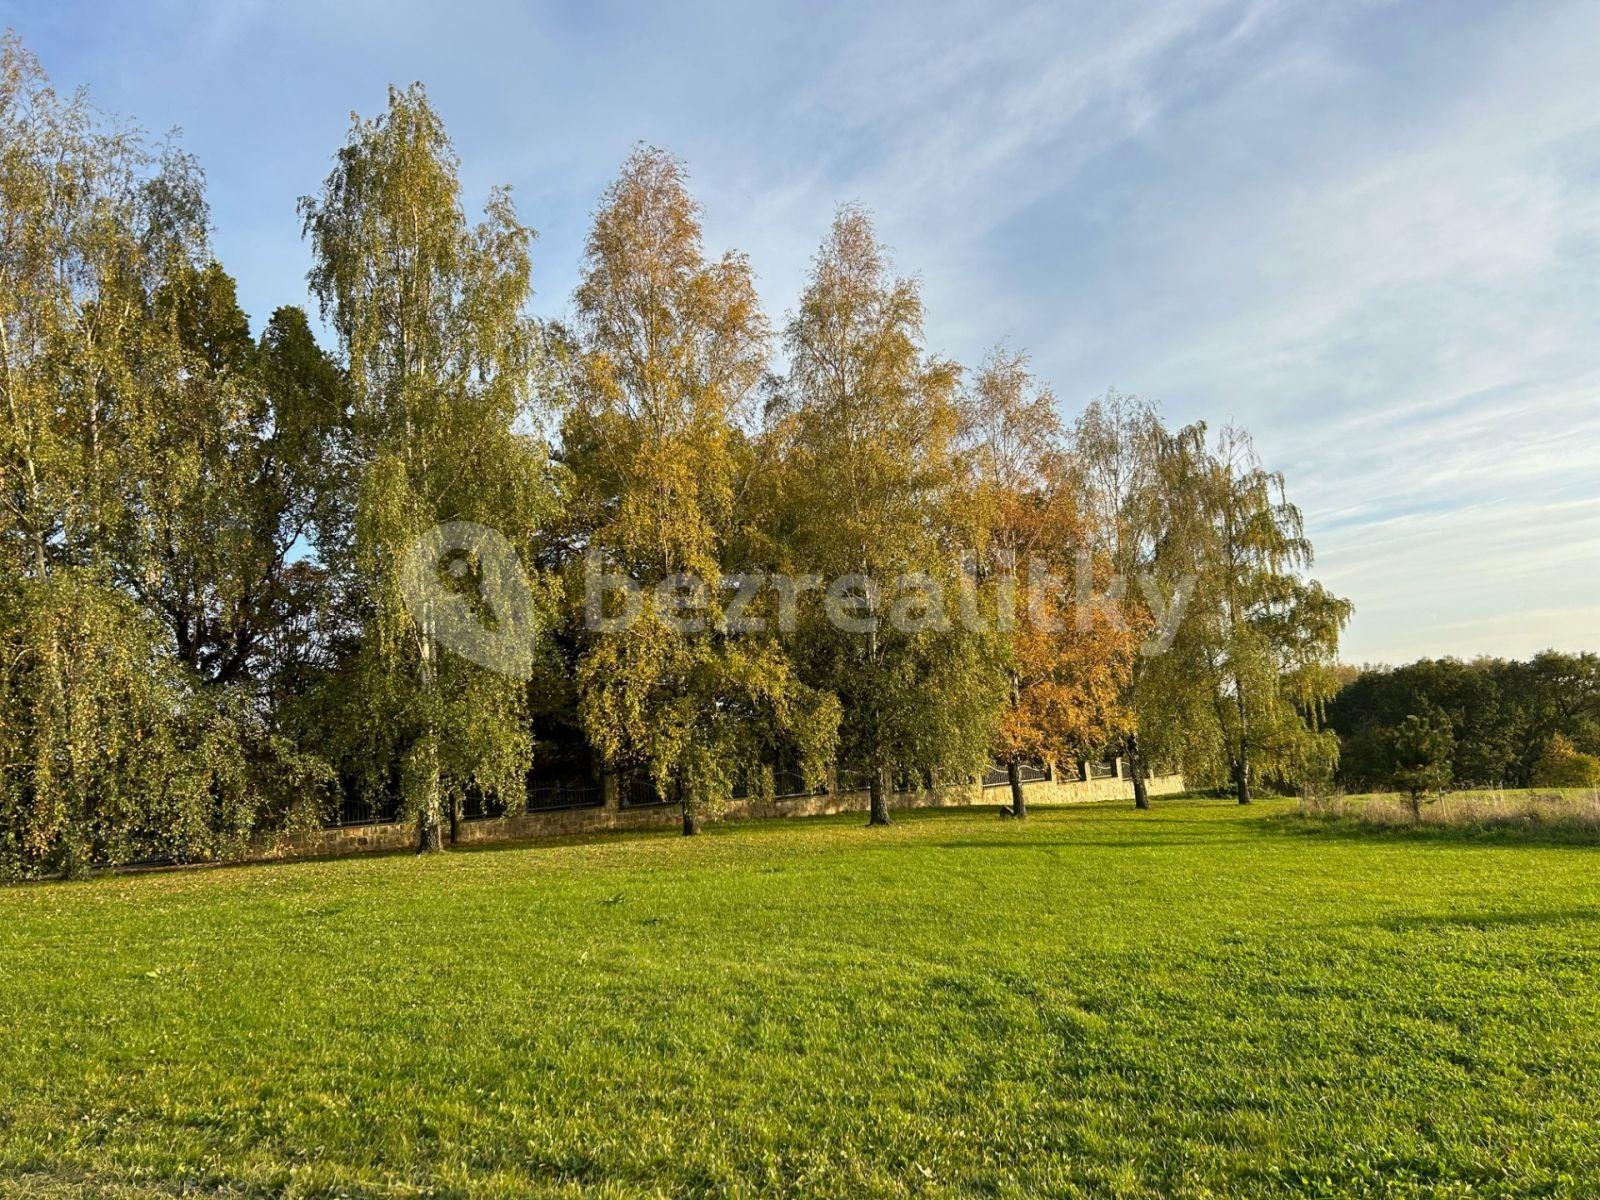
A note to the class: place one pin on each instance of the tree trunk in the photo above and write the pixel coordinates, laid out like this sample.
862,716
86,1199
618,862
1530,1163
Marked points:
429,840
430,818
1019,798
691,819
1243,765
878,791
1136,772
455,820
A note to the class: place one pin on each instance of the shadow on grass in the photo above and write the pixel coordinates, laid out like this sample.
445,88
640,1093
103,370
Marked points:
1143,842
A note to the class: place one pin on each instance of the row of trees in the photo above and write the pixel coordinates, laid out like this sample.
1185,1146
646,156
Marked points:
1444,723
207,538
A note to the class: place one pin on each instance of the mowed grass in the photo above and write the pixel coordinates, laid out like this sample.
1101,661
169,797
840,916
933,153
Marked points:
1199,1001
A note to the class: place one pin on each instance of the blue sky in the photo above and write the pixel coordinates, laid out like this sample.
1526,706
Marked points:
1369,232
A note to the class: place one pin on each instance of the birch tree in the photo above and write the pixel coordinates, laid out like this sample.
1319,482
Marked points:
1069,655
429,312
671,348
1117,447
1256,626
109,748
867,427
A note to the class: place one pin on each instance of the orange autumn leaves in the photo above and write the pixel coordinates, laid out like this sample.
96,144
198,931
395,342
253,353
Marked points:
1074,641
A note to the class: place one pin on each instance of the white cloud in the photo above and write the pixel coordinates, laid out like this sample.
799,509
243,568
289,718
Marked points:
1369,232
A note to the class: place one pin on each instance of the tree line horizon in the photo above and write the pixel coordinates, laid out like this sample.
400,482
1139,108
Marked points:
212,620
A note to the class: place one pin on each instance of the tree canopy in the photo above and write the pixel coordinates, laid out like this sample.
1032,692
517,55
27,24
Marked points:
1505,719
419,547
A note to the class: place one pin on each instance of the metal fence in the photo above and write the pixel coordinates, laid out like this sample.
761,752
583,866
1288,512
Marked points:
639,791
364,810
558,797
543,796
1000,777
636,790
790,784
852,779
476,808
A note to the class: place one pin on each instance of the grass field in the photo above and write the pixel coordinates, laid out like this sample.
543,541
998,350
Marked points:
1200,1001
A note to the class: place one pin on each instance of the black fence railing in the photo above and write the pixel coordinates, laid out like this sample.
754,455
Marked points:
861,781
636,790
790,784
543,796
852,779
559,797
904,784
1000,777
477,808
639,791
364,810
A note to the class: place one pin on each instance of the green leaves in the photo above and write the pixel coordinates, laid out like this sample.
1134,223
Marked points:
438,351
670,348
276,523
1420,749
112,754
1248,670
151,489
870,482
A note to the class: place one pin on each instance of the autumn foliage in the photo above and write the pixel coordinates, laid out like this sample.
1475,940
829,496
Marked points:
213,623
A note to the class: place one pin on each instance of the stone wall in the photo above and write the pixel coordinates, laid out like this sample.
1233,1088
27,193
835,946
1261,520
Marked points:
359,839
1086,791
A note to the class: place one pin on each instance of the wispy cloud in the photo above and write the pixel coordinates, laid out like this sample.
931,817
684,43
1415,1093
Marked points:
1369,231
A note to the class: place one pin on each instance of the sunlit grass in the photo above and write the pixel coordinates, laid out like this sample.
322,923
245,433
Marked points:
1204,1000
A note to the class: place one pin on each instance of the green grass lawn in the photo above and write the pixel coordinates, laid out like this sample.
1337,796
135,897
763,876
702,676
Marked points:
1199,1001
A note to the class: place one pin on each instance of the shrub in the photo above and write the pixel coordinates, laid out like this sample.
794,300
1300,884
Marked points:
1561,765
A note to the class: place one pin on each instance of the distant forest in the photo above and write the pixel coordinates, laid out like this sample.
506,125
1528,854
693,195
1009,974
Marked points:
1502,724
